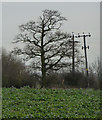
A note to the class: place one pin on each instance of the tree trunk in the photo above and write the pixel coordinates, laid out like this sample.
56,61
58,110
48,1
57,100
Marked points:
43,67
43,70
43,79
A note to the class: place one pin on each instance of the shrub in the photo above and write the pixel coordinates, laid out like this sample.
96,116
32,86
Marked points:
15,73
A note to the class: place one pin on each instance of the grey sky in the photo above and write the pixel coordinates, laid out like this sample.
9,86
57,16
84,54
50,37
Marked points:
82,17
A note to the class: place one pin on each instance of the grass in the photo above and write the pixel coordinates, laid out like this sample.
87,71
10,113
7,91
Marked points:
50,103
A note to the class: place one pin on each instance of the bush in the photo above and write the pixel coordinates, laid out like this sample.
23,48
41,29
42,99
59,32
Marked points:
66,80
54,79
14,72
76,79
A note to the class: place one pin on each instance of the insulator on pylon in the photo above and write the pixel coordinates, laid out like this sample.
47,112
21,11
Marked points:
82,47
89,35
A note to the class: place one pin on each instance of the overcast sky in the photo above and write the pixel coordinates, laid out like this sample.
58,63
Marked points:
82,17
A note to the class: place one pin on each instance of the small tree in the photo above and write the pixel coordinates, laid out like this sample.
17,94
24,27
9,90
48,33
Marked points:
44,43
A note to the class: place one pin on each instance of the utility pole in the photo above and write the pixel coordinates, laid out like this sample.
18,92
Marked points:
73,47
73,65
86,62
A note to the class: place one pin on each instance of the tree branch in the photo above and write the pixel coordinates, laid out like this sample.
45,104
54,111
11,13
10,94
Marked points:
54,64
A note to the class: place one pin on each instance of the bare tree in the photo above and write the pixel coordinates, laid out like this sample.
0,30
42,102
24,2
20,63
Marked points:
95,73
95,67
44,43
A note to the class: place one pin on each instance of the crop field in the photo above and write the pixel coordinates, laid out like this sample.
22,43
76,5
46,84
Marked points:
33,103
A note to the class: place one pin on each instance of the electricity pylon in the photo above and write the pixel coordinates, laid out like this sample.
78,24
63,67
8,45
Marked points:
85,47
73,51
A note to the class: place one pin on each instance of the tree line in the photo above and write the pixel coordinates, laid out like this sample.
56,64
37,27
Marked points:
16,74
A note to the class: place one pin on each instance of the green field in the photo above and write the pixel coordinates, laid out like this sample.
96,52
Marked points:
50,103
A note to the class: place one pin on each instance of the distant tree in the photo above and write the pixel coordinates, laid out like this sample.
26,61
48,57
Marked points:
95,67
44,43
95,71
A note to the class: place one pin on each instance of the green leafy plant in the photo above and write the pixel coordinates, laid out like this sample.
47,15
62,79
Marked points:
27,102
